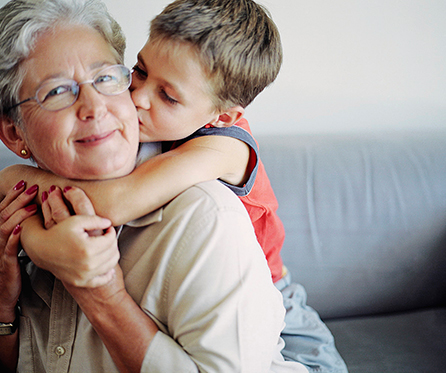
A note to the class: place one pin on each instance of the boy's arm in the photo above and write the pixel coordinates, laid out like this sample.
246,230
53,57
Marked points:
162,178
155,182
11,175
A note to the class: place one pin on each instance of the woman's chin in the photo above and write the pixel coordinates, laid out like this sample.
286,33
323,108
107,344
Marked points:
95,171
110,171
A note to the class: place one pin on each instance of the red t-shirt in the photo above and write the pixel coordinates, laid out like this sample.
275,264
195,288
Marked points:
261,204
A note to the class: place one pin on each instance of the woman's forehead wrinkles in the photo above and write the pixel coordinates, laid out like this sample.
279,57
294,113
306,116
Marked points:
65,75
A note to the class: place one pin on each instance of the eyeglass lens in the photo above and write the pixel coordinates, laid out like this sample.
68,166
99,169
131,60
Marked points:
59,94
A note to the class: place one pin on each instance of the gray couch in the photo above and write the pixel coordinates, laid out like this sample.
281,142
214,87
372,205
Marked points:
365,217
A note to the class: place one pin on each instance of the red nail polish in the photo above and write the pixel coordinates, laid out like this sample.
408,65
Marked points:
31,208
52,188
19,185
17,229
44,196
32,189
66,189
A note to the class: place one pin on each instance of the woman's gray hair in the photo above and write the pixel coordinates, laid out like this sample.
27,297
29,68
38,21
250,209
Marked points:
22,21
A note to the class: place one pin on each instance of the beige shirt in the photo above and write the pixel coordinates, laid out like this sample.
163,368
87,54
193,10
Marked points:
197,270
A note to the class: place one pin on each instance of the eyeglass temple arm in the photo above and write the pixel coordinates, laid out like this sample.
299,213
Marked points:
20,103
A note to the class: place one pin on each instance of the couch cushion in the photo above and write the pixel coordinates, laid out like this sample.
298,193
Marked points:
365,218
407,343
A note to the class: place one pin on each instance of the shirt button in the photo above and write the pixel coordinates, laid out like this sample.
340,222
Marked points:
59,350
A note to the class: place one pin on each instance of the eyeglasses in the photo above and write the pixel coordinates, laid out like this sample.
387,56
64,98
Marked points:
58,94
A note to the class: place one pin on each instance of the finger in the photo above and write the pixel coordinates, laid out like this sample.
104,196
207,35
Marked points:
107,257
81,204
103,273
7,227
15,200
46,211
90,223
98,271
11,268
87,256
59,210
107,271
79,200
13,193
13,244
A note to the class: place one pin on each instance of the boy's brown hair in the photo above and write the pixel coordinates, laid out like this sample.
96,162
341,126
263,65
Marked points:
237,43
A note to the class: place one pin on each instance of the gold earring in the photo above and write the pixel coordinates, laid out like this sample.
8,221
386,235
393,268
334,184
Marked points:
23,152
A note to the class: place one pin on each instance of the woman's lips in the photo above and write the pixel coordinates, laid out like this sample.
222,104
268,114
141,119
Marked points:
96,139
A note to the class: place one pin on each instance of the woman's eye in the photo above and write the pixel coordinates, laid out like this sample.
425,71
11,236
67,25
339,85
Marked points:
166,97
140,73
60,90
105,79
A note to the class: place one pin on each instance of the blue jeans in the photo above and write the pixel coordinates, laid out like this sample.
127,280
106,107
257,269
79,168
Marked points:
307,339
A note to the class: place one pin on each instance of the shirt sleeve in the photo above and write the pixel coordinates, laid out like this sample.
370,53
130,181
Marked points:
224,313
165,355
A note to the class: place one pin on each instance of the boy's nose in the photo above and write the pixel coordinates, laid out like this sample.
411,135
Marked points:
140,98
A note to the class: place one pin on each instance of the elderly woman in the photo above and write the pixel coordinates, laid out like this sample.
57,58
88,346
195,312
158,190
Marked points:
192,291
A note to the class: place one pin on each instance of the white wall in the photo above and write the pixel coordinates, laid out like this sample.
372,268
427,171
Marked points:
349,65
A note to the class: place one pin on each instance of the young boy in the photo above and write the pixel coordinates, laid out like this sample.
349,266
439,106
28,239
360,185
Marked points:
203,63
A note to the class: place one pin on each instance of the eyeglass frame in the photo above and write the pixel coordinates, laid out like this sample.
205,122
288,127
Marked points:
90,81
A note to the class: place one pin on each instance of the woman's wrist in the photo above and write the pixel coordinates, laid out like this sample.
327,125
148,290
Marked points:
8,314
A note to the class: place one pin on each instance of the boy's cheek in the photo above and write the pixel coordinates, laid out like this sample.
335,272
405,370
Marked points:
143,136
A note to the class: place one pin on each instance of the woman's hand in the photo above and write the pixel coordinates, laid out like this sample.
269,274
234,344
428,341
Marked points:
115,316
14,209
81,250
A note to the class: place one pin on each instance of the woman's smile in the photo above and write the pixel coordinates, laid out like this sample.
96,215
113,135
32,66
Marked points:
97,139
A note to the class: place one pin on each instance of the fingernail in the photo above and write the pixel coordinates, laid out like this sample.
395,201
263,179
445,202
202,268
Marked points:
66,189
19,185
17,229
52,188
44,196
32,189
31,208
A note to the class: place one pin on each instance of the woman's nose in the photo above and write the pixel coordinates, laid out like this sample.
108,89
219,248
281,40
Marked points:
92,104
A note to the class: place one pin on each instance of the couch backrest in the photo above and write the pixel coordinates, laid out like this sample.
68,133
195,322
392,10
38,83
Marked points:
365,218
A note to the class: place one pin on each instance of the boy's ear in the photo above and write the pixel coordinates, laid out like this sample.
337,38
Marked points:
13,138
229,117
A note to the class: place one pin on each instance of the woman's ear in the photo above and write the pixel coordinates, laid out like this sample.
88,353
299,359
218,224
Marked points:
229,117
13,138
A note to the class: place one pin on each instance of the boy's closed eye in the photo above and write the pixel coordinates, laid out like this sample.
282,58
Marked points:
166,97
140,74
